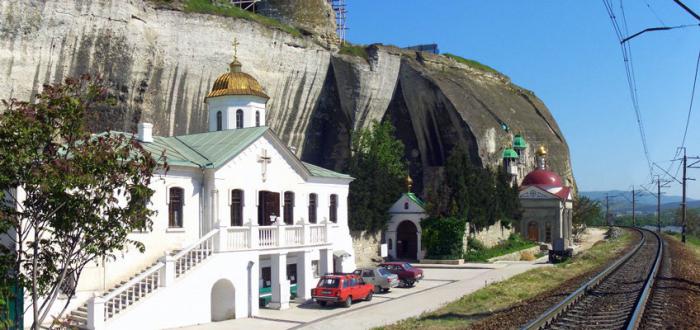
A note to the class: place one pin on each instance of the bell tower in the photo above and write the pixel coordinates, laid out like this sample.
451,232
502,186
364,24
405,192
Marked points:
237,100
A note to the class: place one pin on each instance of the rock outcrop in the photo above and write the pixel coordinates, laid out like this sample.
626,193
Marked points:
162,63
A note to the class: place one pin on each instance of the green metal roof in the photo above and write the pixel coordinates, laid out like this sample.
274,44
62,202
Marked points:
519,142
214,149
509,153
415,199
324,173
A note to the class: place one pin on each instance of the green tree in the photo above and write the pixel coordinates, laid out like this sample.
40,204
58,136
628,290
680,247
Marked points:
508,197
70,197
443,237
586,212
479,195
379,171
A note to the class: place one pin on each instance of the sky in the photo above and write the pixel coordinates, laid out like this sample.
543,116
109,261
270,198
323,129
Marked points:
566,51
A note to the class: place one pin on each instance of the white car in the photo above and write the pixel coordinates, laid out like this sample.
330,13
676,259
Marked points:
380,277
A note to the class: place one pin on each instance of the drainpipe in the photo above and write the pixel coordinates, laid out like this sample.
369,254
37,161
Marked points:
250,288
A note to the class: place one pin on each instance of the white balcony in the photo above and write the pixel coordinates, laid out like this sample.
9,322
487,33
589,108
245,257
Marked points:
253,237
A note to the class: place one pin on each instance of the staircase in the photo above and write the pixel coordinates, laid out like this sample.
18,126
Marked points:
148,280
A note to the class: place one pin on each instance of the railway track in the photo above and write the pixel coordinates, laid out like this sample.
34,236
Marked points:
613,299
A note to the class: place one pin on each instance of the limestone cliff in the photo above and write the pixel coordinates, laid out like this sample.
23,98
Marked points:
162,63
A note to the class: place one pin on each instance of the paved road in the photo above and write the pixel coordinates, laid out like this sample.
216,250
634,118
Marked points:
439,287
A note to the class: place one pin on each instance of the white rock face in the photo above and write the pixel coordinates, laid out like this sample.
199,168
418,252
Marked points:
162,63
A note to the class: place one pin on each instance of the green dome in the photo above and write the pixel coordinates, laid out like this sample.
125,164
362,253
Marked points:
519,142
510,153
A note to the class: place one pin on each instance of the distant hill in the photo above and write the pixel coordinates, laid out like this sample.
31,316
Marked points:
621,201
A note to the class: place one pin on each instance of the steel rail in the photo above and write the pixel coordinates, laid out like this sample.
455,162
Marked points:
548,316
646,292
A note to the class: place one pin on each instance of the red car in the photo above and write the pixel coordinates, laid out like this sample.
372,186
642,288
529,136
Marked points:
341,288
408,275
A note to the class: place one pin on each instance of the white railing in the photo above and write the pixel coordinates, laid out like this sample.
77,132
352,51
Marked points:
194,254
294,235
268,236
317,234
133,290
237,238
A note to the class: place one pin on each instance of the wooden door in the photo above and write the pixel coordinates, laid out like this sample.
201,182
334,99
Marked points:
268,205
533,232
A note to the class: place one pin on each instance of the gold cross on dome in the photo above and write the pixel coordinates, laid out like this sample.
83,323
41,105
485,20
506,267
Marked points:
235,48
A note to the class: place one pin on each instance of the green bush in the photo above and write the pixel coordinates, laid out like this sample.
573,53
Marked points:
354,50
472,63
476,251
224,8
443,237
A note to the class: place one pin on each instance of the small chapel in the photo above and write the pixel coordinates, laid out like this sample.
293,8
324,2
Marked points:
242,224
547,206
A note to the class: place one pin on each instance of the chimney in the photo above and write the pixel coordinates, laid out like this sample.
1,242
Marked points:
145,132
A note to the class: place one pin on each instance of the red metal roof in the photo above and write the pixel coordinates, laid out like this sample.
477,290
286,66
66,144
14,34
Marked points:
542,177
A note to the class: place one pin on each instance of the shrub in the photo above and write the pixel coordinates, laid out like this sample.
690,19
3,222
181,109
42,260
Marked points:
443,237
354,50
477,252
224,8
472,63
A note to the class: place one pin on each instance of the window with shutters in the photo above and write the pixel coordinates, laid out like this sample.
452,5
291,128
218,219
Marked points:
175,204
313,201
289,208
333,208
237,207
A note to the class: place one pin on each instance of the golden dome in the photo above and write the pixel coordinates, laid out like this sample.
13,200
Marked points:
236,82
409,183
541,151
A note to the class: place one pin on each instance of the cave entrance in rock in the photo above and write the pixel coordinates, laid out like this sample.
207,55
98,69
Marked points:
223,301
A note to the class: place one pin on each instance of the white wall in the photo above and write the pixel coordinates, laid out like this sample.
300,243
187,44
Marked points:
188,300
229,104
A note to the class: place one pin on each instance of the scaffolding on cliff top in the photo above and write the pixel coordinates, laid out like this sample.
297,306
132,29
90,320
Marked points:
341,12
245,4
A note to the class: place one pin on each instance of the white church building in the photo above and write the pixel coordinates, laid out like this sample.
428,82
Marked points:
241,223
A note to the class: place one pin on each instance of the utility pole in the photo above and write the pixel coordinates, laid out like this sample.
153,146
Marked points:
634,215
607,209
658,204
683,203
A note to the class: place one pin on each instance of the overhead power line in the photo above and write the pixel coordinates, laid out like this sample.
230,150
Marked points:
631,79
692,98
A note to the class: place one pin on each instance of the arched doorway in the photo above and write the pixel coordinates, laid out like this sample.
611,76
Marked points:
407,241
223,301
533,231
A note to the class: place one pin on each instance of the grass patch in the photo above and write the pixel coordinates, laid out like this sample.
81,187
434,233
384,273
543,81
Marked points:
460,313
692,241
477,252
472,63
224,8
354,50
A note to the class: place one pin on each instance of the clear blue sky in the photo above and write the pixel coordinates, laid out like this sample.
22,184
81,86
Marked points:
568,54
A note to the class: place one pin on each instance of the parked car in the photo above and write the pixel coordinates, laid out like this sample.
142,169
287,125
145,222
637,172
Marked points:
380,277
408,275
341,288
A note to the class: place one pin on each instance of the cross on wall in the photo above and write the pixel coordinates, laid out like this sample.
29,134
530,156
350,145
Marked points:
264,159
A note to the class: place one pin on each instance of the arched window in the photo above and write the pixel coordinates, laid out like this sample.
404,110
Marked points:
313,201
289,207
405,205
239,118
237,207
257,118
333,208
175,203
219,121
